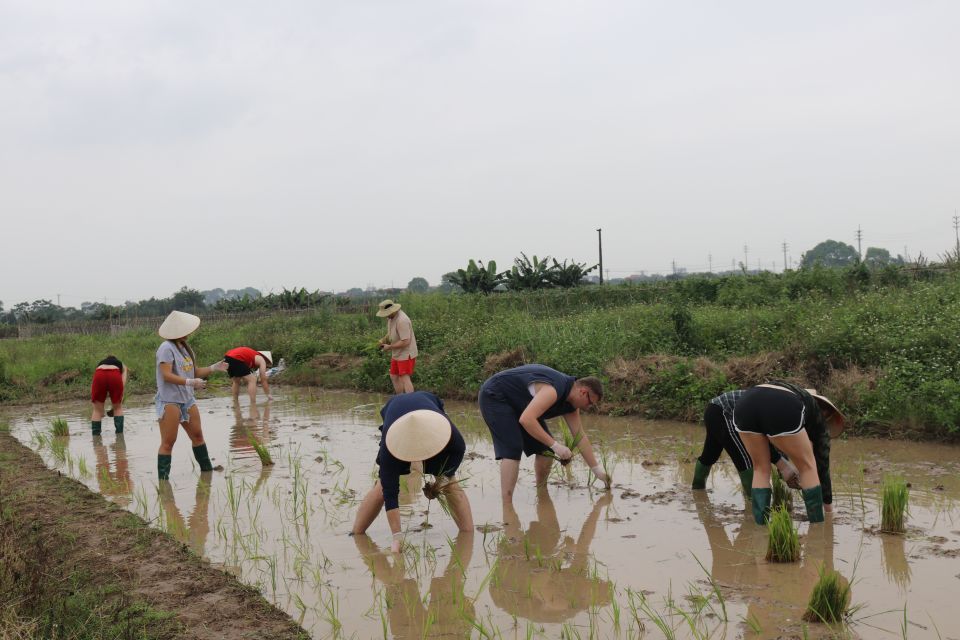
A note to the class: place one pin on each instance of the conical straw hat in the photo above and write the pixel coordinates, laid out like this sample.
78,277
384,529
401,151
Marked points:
267,355
836,421
178,325
418,435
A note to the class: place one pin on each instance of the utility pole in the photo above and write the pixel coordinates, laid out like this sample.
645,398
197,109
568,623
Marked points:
746,260
600,247
673,266
784,245
859,239
956,231
710,262
58,295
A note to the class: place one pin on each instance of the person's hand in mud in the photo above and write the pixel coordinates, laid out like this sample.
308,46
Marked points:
601,475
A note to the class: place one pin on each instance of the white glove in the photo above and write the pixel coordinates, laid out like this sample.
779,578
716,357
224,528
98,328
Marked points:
397,542
789,473
601,475
562,452
219,366
196,383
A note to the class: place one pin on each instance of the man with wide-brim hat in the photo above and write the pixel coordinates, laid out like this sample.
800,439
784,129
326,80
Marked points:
415,428
401,343
177,377
241,364
800,423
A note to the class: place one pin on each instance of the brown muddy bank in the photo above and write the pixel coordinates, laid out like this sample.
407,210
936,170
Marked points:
74,565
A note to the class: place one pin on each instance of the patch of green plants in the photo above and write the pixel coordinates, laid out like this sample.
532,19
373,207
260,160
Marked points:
894,504
782,494
783,542
830,600
262,452
59,427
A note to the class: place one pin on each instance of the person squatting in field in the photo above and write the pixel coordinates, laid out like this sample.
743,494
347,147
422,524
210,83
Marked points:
241,363
722,436
109,378
415,428
177,379
515,404
799,423
401,343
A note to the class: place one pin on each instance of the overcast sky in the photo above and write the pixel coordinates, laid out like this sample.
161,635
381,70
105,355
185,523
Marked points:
146,146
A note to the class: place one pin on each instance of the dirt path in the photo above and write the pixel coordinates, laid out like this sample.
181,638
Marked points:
68,556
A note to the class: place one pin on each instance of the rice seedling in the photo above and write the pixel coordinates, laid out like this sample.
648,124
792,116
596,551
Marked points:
58,447
894,504
715,587
264,454
783,541
607,462
782,494
82,467
830,599
569,440
59,427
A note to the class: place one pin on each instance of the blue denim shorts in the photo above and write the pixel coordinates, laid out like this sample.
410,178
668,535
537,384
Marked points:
184,408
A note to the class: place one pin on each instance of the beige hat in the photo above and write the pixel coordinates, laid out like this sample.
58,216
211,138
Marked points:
387,308
267,355
836,421
418,435
178,325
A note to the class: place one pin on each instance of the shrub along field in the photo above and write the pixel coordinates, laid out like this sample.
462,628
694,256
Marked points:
883,343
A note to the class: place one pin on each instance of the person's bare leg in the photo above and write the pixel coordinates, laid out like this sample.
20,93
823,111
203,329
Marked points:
509,473
541,467
117,409
369,509
235,388
397,386
97,414
800,451
406,384
169,427
759,449
252,388
460,507
193,427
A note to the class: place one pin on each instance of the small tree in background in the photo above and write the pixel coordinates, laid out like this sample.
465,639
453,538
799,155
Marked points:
569,275
418,285
527,274
830,253
477,278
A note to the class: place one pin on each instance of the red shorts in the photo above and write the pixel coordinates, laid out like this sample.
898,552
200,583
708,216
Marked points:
107,381
402,367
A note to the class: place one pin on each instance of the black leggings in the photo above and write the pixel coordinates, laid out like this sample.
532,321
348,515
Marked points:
721,436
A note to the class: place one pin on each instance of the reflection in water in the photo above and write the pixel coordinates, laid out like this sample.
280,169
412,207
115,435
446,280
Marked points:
115,481
194,531
444,611
738,565
254,423
542,578
895,565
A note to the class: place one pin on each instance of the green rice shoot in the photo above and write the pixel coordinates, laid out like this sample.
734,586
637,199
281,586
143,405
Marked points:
783,541
782,494
568,440
59,427
606,461
265,458
894,504
440,489
830,599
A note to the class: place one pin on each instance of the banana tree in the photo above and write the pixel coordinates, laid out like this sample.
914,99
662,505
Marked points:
477,278
529,274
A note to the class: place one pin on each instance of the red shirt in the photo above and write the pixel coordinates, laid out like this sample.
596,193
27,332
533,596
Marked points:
245,355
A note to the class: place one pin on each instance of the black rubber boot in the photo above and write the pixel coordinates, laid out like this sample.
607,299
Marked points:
203,458
761,504
118,423
746,481
813,499
95,426
163,466
700,474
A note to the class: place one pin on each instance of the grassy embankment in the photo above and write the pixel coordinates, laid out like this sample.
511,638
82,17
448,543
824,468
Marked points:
884,345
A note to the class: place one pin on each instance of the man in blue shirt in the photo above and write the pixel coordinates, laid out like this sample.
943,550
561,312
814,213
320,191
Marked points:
415,428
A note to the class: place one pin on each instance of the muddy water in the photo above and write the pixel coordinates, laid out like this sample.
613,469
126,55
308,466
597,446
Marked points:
570,562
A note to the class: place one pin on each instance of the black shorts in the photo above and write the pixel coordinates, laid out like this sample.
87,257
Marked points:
769,412
722,436
510,439
235,368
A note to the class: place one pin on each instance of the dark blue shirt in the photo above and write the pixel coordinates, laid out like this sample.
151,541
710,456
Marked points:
444,463
513,387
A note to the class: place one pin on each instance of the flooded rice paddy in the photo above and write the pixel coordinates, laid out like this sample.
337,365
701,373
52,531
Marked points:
649,559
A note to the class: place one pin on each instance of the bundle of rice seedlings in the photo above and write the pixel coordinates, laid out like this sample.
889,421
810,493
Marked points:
783,542
894,503
782,494
439,489
830,599
59,427
606,461
569,441
265,458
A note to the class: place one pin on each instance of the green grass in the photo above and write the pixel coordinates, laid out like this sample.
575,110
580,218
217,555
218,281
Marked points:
894,504
830,599
264,454
783,544
59,427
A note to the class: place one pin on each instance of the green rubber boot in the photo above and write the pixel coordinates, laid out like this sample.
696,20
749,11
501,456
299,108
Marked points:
746,481
95,426
118,423
813,499
700,473
163,466
203,458
761,504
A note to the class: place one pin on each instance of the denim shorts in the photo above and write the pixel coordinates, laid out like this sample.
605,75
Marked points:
184,408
